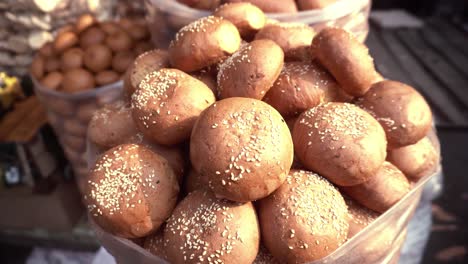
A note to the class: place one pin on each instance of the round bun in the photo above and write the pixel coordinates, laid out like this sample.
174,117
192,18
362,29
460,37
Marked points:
202,43
203,228
174,155
293,38
64,41
154,244
71,59
131,191
167,104
359,217
53,80
400,109
340,141
77,80
415,161
382,191
144,64
346,58
106,77
251,71
283,6
304,220
208,79
111,125
97,57
313,4
253,152
301,86
92,36
246,17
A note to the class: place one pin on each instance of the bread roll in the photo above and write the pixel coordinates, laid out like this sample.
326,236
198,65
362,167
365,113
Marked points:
293,38
111,125
202,43
246,17
359,217
244,147
167,104
400,109
346,58
415,161
206,229
301,86
382,191
304,220
251,71
340,141
131,191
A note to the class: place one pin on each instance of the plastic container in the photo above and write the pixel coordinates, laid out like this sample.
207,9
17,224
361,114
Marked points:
166,17
380,242
69,115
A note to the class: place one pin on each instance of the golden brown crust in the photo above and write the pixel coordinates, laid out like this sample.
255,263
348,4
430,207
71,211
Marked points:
293,38
144,64
244,147
340,141
251,71
203,228
400,109
268,6
65,41
167,104
346,59
381,191
131,191
246,17
301,86
202,43
84,21
111,125
415,161
359,217
304,220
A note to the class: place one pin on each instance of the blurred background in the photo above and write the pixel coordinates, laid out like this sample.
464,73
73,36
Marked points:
420,42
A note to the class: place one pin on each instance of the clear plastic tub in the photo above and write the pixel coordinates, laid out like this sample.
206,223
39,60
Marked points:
379,242
166,17
69,115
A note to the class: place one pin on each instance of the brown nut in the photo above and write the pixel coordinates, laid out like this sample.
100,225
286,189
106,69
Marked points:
201,226
37,68
253,152
251,71
139,200
91,36
167,104
301,86
202,43
313,4
293,38
246,17
77,80
400,109
64,41
106,77
304,220
382,191
52,64
84,21
119,41
346,59
109,27
122,60
415,161
340,141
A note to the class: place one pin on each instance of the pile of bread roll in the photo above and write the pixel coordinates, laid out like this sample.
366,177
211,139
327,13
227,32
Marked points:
221,98
89,54
267,6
